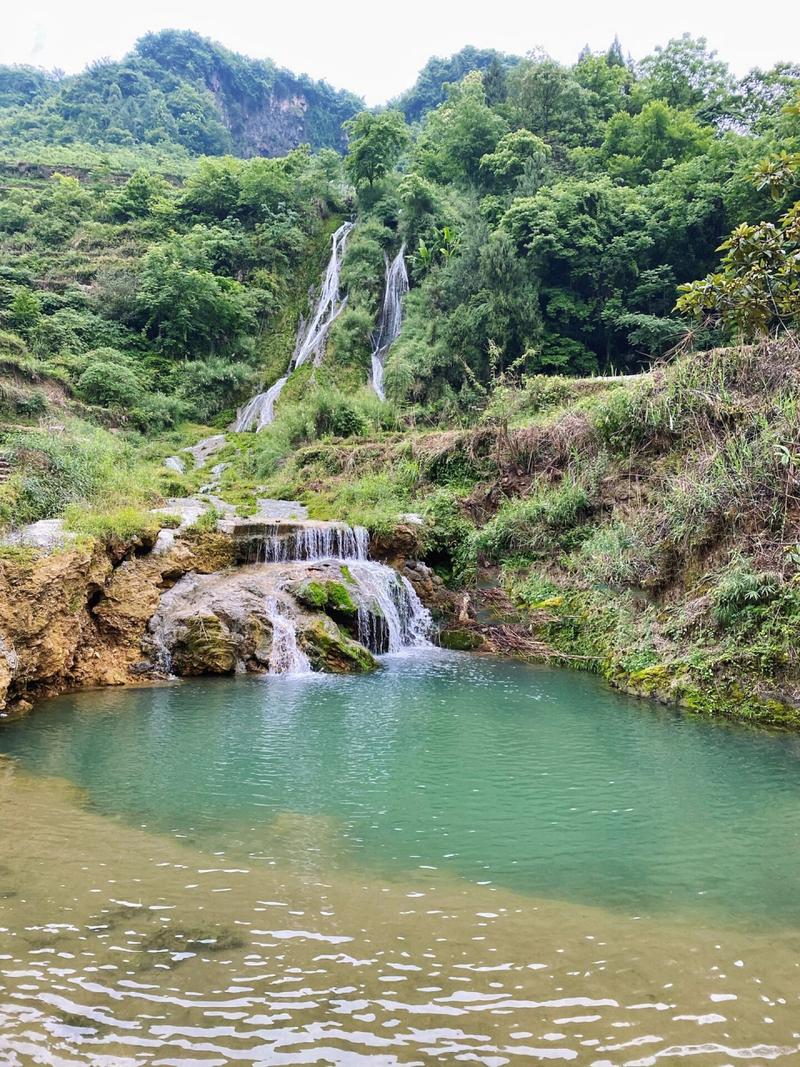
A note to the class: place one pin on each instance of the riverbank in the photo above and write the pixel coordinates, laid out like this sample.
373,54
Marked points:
646,528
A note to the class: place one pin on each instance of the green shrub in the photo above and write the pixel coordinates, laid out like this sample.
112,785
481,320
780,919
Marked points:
531,526
742,594
109,385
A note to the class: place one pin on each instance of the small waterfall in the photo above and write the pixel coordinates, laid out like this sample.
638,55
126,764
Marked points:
285,656
260,411
391,319
391,617
310,543
311,338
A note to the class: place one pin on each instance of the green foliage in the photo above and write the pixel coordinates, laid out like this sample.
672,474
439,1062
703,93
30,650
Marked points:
109,382
529,526
376,141
742,594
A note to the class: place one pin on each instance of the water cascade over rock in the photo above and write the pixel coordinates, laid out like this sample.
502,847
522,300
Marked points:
305,596
391,319
312,337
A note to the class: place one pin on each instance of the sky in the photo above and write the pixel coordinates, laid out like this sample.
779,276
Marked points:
376,49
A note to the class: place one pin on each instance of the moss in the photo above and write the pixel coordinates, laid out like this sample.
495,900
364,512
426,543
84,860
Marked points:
339,599
461,640
204,647
328,596
330,650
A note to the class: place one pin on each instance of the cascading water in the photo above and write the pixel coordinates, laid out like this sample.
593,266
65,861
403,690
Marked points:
312,337
285,656
312,543
391,616
391,319
329,304
260,411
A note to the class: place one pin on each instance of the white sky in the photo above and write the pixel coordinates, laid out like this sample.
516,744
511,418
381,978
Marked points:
375,49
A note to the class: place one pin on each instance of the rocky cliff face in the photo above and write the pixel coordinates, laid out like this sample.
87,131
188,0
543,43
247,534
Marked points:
81,615
75,618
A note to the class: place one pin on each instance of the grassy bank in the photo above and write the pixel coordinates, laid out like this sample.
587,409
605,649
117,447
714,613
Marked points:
649,525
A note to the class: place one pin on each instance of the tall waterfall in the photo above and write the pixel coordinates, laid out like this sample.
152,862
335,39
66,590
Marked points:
391,319
260,411
312,336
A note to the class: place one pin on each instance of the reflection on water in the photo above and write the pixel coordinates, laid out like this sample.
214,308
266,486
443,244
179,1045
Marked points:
266,914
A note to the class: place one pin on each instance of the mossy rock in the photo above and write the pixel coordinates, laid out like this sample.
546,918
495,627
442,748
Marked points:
331,651
461,640
204,647
329,596
211,551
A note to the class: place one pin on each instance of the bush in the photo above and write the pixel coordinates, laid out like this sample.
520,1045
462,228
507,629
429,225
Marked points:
742,594
110,385
531,526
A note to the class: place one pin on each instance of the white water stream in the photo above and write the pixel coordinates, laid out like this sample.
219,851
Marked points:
391,320
312,337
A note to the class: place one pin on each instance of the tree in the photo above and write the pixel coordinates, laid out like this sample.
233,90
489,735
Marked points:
376,143
457,135
191,312
637,146
757,286
514,150
687,74
495,82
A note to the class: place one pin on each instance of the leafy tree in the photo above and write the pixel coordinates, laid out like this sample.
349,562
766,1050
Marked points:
24,311
507,162
138,197
637,146
685,73
191,312
457,136
376,142
757,286
109,382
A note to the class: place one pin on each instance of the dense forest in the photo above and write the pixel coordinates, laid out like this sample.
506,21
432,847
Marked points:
164,222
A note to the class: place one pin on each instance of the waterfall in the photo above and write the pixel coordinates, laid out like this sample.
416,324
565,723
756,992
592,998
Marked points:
391,319
391,616
285,656
260,411
311,338
312,543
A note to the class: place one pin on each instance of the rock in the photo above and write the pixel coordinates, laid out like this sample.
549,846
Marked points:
461,640
330,650
204,645
210,624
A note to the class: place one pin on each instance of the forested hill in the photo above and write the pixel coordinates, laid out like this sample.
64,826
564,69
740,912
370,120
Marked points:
176,92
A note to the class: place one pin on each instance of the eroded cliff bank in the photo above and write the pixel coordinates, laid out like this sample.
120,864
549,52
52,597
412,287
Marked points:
278,597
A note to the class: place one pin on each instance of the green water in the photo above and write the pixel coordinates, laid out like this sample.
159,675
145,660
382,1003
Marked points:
534,780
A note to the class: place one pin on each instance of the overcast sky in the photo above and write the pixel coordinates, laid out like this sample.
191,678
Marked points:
376,49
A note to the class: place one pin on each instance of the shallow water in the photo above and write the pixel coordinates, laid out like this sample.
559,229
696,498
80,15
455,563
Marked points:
455,860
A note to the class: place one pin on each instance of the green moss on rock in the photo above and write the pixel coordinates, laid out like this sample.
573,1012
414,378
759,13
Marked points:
204,647
330,650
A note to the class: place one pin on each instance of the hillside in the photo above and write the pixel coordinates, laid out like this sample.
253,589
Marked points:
177,94
554,319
